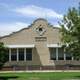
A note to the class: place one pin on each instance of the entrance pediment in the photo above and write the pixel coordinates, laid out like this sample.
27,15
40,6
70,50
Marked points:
40,26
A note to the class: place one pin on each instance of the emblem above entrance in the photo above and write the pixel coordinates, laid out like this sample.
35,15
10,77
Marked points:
40,30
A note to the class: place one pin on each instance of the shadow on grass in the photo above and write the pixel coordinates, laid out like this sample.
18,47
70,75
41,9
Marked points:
78,77
8,77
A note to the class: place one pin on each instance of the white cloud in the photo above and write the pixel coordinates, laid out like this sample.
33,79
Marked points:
35,11
27,11
8,28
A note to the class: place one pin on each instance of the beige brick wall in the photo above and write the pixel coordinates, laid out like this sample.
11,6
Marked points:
41,54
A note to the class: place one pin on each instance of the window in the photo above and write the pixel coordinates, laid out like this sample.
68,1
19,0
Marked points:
28,54
21,54
7,55
53,54
68,56
60,54
13,54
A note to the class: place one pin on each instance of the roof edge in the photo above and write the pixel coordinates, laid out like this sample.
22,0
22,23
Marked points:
29,27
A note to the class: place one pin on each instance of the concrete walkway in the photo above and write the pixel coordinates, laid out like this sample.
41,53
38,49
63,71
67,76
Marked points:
31,71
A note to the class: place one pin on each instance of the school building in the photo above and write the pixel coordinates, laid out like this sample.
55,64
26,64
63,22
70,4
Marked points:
37,47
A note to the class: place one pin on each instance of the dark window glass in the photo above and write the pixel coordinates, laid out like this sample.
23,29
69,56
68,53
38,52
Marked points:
13,54
53,54
60,54
7,55
28,54
21,54
68,56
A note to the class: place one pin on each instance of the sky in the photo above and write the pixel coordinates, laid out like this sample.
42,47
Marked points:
18,14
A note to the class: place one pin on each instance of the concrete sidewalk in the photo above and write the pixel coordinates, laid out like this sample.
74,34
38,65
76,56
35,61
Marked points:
40,71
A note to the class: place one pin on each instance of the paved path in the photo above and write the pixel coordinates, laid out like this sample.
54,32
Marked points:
40,71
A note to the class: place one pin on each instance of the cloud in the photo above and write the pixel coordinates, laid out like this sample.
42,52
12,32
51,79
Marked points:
35,11
27,11
8,28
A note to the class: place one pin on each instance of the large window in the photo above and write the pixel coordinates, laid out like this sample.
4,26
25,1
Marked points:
13,54
28,54
60,54
21,54
7,55
68,56
53,54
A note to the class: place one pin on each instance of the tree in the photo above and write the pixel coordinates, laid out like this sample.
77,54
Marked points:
70,30
3,54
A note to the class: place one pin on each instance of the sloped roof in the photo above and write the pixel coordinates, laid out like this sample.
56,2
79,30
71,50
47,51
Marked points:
30,26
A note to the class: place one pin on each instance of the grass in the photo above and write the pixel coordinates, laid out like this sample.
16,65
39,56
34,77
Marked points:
41,76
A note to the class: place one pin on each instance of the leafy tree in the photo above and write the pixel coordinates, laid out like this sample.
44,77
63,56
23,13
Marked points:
3,54
70,30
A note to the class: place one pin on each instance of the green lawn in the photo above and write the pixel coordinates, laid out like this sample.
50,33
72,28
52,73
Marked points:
41,76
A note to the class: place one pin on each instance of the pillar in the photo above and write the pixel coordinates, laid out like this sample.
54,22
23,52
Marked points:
56,53
24,54
64,56
17,55
72,58
9,54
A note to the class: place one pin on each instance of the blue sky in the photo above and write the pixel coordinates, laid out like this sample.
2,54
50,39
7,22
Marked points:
17,14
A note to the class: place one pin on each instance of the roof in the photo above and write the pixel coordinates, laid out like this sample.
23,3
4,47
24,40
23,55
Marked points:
29,27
